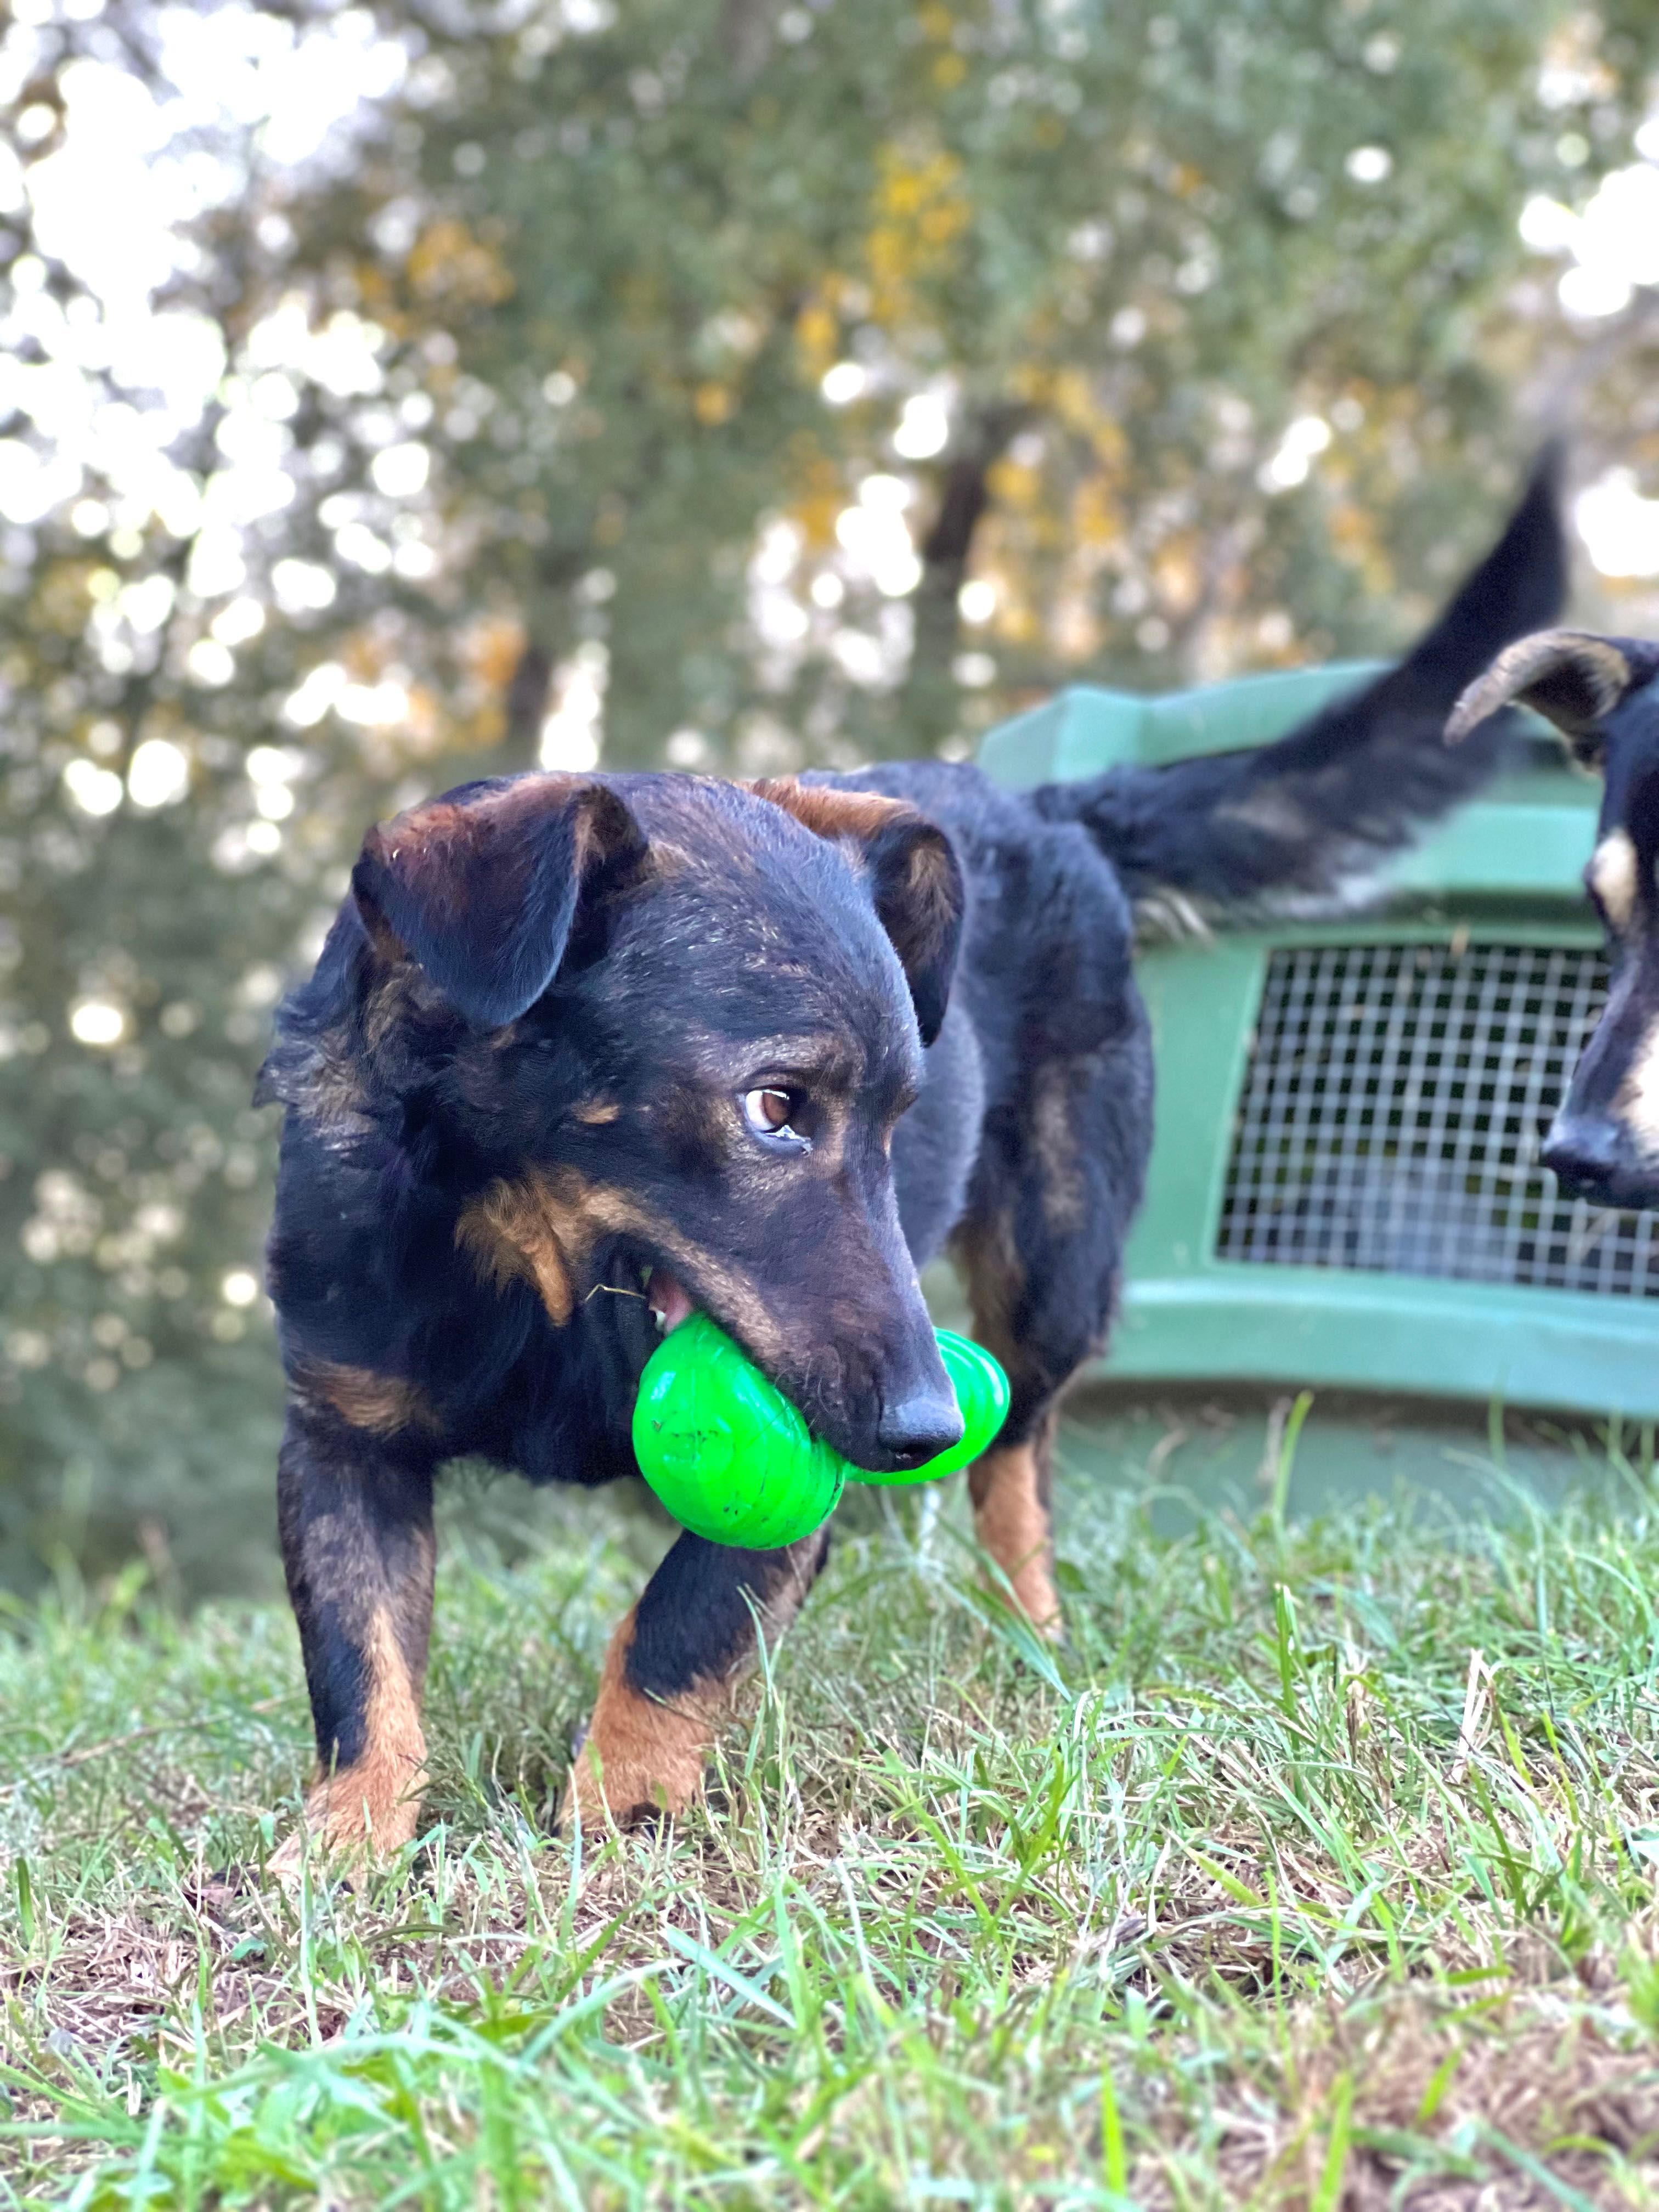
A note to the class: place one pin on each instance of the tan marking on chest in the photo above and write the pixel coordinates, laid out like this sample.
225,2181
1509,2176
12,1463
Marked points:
380,1404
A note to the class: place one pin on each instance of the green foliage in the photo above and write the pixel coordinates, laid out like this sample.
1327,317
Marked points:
1168,1919
1125,247
512,395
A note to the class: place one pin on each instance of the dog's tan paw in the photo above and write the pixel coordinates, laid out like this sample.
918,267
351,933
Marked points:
1035,1597
351,1824
635,1784
642,1758
1011,1520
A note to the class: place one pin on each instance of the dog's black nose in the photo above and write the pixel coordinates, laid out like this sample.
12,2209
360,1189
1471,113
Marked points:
1582,1152
919,1429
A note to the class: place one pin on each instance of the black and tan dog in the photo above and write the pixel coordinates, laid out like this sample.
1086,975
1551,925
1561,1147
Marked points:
1602,694
583,1052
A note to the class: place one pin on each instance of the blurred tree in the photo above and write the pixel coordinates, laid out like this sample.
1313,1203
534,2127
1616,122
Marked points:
783,323
392,396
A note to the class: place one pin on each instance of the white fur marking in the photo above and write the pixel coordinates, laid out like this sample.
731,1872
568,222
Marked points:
1612,874
1639,1095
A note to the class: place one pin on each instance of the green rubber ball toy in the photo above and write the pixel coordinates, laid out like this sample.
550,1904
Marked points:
735,1462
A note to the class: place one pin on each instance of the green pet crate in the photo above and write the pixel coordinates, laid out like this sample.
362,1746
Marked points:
1345,1189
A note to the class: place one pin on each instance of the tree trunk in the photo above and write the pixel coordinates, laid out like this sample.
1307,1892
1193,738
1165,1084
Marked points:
929,702
526,706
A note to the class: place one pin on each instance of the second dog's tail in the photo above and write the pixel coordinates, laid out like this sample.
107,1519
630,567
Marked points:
1356,781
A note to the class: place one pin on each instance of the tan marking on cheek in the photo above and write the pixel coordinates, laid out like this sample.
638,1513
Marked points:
598,1112
1637,1102
380,1404
604,1209
1010,1519
542,1230
1613,873
514,1233
641,1756
741,1304
372,1807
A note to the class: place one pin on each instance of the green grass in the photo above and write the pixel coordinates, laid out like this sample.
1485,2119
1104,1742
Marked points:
1317,1869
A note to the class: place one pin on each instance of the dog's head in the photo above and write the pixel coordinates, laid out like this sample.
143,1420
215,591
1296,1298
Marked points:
1603,695
656,1032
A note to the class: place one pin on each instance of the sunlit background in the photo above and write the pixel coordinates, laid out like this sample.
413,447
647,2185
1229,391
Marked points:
392,395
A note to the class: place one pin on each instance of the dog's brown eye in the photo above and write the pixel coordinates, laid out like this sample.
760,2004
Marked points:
771,1113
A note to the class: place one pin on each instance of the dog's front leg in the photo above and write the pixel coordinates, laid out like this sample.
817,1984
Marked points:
671,1670
355,1521
1010,1488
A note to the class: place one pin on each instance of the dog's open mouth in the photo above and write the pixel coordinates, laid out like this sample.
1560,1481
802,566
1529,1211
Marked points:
666,1297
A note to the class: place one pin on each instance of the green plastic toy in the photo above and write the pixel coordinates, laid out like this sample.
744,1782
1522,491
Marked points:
735,1462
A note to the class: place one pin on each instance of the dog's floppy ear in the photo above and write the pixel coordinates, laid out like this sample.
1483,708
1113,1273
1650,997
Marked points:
481,886
1570,676
915,878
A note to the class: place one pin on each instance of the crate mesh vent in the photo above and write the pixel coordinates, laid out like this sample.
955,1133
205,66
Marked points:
1391,1118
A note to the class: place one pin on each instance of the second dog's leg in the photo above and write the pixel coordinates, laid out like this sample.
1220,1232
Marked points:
671,1670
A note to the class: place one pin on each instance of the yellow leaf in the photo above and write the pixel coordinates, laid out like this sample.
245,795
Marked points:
818,338
448,263
490,648
1011,485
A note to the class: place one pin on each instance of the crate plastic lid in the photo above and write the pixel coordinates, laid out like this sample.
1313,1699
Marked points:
1084,729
